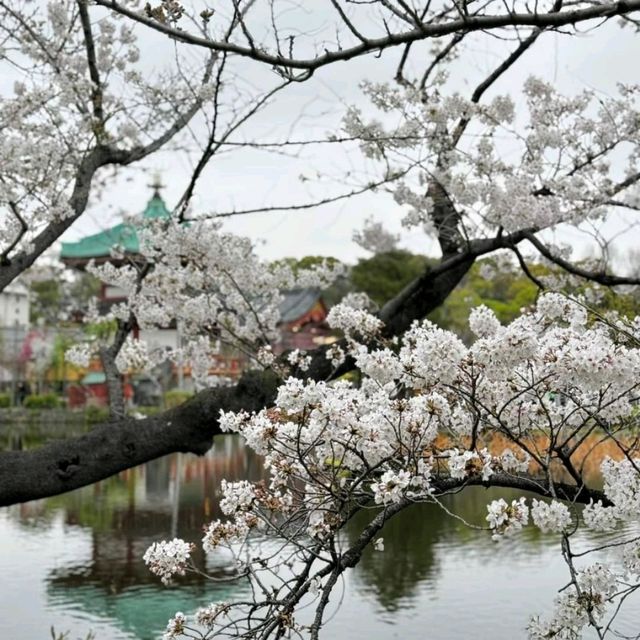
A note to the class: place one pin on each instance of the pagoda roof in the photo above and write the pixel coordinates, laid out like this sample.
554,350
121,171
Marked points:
123,235
296,302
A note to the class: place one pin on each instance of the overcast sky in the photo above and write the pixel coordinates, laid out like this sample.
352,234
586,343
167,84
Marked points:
254,179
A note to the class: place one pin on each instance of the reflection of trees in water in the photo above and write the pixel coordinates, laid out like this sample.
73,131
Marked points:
415,539
408,559
128,512
34,429
125,499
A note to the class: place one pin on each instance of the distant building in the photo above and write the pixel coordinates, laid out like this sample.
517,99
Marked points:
14,326
100,247
14,306
302,312
302,324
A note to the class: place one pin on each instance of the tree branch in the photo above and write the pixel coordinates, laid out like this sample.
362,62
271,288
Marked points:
425,30
600,277
92,63
62,466
4,259
109,448
99,156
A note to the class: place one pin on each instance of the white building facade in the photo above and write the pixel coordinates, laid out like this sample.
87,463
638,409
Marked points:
14,326
14,306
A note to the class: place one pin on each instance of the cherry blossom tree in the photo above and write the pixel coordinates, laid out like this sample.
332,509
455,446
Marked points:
423,420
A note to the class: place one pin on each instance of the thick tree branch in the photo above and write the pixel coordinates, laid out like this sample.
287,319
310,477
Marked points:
115,446
580,494
446,218
112,447
114,378
14,243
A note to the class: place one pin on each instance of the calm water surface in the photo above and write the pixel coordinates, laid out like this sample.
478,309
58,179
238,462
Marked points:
75,562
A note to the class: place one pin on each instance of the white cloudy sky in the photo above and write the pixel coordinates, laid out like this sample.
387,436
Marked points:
254,179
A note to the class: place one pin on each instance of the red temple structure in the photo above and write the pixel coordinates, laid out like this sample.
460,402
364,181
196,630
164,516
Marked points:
303,315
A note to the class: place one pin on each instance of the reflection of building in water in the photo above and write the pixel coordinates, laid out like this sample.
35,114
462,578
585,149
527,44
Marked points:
127,594
175,495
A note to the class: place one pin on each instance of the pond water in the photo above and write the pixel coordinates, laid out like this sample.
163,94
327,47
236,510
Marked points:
74,562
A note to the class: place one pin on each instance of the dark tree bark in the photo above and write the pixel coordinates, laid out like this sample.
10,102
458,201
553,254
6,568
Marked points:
115,446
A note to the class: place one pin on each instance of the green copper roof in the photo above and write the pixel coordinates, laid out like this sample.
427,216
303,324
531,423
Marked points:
123,235
94,377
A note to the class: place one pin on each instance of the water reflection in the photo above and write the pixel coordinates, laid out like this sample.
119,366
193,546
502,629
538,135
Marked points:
117,520
169,497
76,561
417,539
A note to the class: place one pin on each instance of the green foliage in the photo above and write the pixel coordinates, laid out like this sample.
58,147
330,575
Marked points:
506,293
381,277
509,291
305,263
5,400
53,295
147,411
176,397
96,415
85,287
331,295
60,366
626,304
43,401
46,299
103,330
385,274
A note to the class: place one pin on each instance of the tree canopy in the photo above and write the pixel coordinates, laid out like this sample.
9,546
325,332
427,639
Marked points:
479,165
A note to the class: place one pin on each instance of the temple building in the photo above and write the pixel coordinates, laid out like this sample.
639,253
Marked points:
302,324
119,245
302,311
123,237
99,247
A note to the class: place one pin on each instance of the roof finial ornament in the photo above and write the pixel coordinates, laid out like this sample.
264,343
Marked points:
156,185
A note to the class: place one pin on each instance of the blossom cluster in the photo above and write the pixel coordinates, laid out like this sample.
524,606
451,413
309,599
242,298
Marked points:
584,602
563,173
622,489
421,420
212,284
167,559
554,516
66,102
509,379
506,519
